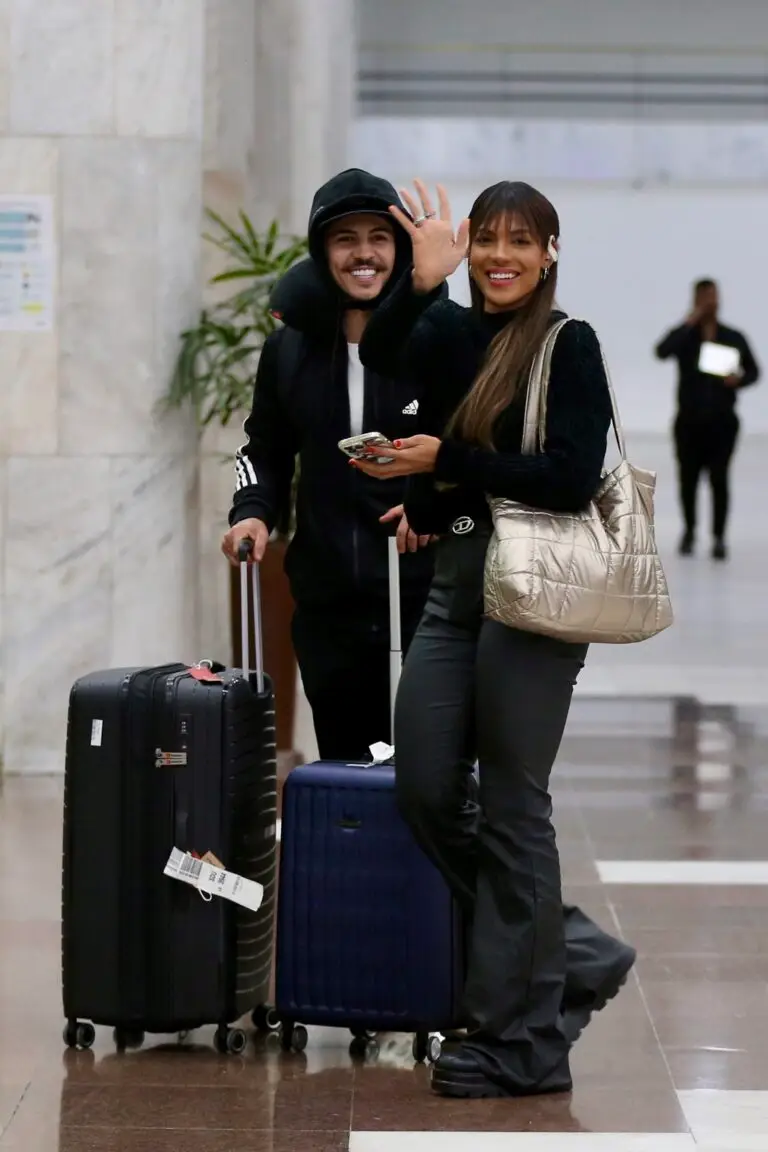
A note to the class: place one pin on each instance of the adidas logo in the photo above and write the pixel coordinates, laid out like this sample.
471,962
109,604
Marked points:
411,409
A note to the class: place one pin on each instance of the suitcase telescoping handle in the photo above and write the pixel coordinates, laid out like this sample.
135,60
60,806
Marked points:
395,628
243,552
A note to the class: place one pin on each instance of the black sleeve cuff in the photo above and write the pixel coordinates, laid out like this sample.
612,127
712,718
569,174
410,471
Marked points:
393,322
415,303
252,510
453,459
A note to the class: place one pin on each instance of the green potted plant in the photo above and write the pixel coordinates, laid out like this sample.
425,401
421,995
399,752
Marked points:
214,373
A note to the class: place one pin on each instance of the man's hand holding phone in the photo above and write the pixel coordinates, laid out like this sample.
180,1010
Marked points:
255,530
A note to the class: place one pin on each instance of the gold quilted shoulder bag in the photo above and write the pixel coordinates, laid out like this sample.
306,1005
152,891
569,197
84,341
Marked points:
587,577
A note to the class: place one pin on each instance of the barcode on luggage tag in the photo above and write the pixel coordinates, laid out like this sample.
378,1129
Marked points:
183,867
191,867
174,860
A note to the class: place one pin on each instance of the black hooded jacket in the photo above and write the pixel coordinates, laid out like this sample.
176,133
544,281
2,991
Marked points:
338,555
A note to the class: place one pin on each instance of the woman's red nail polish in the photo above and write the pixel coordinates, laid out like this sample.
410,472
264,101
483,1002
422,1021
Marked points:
397,443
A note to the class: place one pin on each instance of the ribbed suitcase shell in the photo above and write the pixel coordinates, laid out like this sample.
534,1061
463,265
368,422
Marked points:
139,949
368,934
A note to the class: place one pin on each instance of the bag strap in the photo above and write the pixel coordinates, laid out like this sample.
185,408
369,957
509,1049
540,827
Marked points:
535,419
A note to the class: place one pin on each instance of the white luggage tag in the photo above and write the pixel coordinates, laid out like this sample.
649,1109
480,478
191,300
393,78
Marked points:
382,753
212,879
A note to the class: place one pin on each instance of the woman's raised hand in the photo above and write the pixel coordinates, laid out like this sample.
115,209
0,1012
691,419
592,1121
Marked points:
437,248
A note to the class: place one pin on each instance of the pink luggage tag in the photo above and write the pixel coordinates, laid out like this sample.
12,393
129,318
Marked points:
202,671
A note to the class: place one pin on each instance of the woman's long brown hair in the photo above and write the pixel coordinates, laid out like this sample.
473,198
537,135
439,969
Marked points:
510,354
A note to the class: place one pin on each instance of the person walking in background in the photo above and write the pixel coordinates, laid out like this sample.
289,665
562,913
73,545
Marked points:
537,969
714,362
311,392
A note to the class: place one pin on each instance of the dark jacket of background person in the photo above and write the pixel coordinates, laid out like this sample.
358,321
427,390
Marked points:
701,397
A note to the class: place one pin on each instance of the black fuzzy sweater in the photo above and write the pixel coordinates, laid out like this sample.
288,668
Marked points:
441,346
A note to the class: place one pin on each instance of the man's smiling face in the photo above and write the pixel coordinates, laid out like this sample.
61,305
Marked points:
361,254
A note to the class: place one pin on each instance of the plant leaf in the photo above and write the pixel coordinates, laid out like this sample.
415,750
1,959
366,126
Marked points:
216,359
230,233
272,237
256,244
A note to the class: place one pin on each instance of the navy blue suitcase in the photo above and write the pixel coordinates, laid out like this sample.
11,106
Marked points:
368,935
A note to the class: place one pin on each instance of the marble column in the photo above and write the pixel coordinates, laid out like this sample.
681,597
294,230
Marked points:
307,58
229,175
101,107
278,101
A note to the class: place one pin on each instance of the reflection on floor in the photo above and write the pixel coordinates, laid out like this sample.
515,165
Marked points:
652,796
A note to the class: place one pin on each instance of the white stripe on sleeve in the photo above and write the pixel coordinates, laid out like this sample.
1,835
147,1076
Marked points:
245,473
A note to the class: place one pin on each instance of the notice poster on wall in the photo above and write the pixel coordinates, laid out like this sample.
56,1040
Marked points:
27,263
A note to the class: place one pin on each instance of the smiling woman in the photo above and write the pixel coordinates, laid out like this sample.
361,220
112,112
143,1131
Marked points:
513,258
475,688
506,259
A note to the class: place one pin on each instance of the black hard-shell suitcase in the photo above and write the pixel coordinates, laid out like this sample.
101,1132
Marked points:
158,759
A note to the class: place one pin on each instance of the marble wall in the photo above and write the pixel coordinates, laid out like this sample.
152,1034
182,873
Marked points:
132,115
101,107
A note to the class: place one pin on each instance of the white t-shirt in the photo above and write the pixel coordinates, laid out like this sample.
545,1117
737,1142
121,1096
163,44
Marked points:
356,385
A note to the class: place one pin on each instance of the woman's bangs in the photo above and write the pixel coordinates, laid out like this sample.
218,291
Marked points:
506,205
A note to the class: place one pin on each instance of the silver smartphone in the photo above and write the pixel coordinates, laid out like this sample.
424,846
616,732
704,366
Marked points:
355,447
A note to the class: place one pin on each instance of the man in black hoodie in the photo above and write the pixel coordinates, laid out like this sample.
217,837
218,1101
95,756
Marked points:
312,391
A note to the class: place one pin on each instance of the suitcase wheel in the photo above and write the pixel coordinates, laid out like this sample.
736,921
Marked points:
230,1041
363,1034
426,1047
293,1037
365,1047
265,1019
127,1038
79,1035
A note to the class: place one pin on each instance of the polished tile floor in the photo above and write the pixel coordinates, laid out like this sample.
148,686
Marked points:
661,797
655,844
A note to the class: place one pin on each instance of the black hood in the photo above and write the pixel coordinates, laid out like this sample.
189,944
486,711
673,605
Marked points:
307,297
352,192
